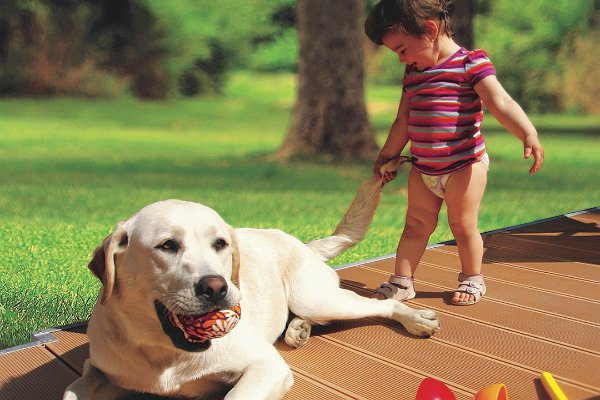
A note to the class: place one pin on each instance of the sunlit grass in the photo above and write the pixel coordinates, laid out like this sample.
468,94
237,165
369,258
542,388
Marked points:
70,169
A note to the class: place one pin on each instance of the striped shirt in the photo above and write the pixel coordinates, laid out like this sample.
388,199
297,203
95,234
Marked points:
446,113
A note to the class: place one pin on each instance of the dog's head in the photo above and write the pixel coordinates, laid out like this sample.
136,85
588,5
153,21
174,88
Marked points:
172,262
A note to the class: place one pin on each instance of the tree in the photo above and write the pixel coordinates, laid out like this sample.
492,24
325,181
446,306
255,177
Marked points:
330,117
462,21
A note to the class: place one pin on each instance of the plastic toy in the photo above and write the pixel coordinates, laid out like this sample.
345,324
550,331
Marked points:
432,389
554,391
496,391
212,325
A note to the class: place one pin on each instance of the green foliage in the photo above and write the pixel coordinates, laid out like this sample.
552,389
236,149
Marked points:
279,54
155,48
523,40
580,79
208,38
383,67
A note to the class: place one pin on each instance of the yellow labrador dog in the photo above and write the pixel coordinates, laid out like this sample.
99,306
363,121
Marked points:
175,261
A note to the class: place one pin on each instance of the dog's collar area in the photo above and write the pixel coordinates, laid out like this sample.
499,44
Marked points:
178,336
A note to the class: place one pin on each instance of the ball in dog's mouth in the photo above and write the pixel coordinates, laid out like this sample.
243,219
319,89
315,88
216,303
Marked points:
201,328
212,325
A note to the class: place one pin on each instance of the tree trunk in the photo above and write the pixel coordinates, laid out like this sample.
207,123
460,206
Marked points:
462,21
330,117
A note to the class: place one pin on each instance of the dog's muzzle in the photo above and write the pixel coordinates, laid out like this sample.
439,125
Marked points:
211,289
194,332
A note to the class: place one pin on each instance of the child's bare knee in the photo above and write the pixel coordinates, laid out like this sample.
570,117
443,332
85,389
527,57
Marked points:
420,227
462,230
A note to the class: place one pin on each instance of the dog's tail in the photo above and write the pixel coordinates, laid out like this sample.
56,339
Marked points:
355,223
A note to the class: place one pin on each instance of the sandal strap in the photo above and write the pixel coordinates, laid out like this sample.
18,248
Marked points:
399,288
471,284
403,282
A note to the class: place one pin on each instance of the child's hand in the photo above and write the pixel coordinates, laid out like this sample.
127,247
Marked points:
532,145
387,175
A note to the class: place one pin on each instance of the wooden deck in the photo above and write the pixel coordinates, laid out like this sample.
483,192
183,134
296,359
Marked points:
541,313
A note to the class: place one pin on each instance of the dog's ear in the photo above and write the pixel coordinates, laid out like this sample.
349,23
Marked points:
103,260
235,258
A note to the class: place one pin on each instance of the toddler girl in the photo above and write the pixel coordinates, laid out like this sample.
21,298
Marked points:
440,113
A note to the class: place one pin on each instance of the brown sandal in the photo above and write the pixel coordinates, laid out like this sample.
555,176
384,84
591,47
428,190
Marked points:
399,288
471,284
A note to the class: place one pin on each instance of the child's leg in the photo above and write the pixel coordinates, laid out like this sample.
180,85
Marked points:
421,220
464,191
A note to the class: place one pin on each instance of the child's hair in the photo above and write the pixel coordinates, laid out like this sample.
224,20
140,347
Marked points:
408,16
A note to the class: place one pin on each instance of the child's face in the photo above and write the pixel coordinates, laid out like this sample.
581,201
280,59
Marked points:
411,50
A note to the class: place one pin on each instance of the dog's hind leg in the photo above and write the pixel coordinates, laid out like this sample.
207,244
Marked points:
317,298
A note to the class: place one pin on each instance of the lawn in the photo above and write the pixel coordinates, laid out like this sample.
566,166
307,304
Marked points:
70,169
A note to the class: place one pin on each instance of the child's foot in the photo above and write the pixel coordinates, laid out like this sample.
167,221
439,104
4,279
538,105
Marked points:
399,288
471,289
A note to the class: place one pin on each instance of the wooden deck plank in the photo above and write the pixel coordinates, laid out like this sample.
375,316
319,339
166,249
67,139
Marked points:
33,373
71,346
365,375
310,388
566,279
557,247
436,288
592,215
526,260
475,333
440,361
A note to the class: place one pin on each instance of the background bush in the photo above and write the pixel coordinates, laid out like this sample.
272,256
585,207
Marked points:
158,49
153,47
278,55
580,80
524,39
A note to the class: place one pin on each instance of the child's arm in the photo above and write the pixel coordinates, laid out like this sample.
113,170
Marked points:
396,140
512,117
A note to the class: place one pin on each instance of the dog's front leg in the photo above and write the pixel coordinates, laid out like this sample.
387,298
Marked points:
92,385
267,379
422,323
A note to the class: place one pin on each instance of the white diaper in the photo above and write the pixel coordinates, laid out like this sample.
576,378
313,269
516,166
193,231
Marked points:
437,183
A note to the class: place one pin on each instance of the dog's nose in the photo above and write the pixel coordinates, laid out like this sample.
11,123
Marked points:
212,287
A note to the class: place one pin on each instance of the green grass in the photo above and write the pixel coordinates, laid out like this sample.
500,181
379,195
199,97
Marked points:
70,169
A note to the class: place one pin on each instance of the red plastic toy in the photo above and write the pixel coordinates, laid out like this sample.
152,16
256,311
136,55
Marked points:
432,389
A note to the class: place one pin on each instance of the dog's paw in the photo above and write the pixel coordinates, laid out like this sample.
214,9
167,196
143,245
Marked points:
298,332
423,323
70,396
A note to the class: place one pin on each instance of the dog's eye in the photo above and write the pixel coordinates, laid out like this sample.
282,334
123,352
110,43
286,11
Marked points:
220,244
169,245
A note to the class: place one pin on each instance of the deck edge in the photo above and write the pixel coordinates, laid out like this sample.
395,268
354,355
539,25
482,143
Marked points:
44,336
40,338
486,233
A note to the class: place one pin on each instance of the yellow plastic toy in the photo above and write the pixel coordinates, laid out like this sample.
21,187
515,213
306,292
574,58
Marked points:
496,391
554,391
